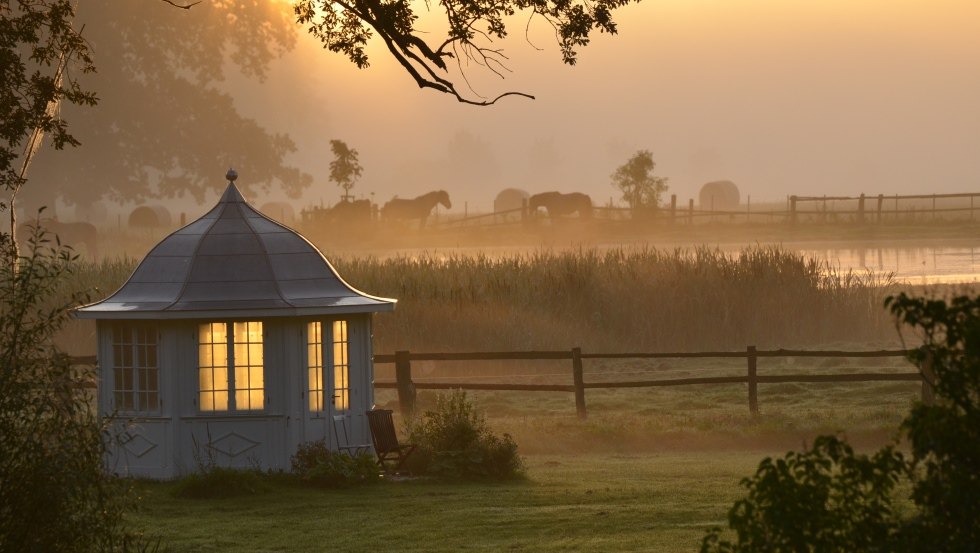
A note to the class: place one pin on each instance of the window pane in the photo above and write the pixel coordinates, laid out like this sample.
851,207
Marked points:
204,356
314,363
257,399
241,399
255,354
204,380
241,378
220,378
241,354
207,401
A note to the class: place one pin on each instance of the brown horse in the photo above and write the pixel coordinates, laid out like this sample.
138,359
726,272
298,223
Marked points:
558,204
418,208
350,211
70,234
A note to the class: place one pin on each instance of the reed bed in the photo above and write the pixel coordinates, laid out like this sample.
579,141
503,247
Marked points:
623,299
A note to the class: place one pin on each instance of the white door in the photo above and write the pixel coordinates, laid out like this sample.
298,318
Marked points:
316,405
337,375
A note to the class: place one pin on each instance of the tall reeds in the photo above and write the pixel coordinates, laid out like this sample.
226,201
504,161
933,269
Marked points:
622,299
640,299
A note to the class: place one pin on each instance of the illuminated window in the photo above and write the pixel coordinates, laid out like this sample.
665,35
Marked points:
338,362
314,356
341,368
231,366
136,386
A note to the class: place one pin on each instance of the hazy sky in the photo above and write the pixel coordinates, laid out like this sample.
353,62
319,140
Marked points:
780,96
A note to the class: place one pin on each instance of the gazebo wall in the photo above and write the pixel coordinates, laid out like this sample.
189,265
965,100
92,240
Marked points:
178,437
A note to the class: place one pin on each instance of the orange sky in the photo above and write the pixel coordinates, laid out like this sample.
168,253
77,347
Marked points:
780,96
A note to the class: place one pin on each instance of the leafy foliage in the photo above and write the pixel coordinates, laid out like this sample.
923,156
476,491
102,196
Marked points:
316,464
829,499
823,499
454,441
36,38
636,181
945,435
55,494
345,27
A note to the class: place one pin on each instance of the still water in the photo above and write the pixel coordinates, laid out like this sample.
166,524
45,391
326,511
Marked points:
915,264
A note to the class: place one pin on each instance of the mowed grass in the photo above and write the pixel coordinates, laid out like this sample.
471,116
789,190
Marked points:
643,502
648,470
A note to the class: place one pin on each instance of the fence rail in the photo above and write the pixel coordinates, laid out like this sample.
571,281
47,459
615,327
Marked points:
407,387
858,208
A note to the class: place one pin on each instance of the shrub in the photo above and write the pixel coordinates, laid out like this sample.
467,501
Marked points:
221,482
55,494
454,441
315,464
823,499
829,499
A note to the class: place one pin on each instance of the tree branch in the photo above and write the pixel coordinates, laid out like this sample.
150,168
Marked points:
182,6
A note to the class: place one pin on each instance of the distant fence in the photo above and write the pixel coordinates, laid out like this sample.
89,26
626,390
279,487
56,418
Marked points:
407,387
863,208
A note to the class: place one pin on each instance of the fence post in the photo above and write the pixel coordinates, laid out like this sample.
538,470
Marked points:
792,209
403,380
881,200
673,208
690,211
928,378
579,382
753,384
861,208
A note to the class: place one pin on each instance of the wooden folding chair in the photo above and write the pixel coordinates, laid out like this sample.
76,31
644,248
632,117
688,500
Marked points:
343,439
385,439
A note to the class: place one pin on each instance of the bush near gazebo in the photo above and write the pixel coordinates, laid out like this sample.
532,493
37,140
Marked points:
454,442
314,463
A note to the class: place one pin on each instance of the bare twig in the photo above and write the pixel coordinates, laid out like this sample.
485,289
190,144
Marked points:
182,6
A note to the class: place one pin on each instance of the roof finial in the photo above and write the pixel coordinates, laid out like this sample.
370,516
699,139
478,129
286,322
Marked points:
231,175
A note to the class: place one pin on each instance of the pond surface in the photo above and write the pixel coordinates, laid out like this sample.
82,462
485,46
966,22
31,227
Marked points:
914,264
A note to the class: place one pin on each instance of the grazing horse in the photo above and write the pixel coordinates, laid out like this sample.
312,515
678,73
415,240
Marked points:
558,204
70,234
350,211
418,208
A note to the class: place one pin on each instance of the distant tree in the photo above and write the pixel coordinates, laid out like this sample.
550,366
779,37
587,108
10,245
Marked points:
345,168
164,126
345,26
635,179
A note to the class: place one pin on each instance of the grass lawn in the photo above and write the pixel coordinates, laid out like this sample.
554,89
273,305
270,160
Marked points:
642,502
649,470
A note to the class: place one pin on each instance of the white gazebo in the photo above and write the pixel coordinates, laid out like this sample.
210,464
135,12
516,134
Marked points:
233,342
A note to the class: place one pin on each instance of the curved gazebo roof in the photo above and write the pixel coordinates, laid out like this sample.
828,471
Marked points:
233,262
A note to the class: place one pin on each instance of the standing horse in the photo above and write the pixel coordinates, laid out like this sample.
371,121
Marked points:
351,211
418,208
558,204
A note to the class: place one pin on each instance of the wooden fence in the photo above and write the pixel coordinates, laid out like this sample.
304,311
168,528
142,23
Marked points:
863,208
407,387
